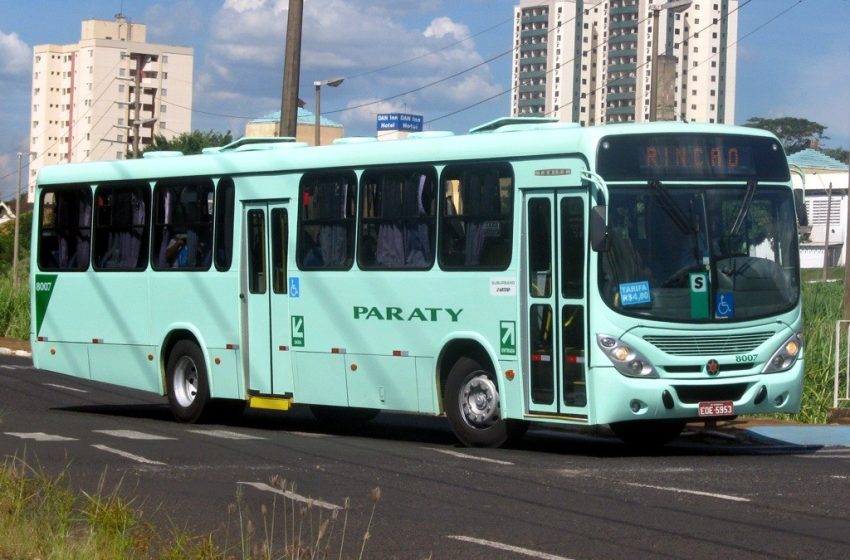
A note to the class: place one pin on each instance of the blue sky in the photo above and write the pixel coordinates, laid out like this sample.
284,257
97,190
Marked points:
795,65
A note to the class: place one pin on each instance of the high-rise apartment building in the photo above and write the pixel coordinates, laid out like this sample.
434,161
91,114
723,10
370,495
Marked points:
107,95
591,61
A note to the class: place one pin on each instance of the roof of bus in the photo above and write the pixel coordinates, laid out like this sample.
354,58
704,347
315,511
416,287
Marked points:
513,140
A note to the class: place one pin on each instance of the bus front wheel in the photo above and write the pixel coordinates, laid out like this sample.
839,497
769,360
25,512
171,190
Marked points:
186,376
471,400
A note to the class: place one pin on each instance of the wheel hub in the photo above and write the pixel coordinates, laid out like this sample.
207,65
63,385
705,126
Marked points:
480,401
185,381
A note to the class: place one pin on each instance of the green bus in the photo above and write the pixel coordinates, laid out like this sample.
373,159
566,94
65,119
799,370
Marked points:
641,276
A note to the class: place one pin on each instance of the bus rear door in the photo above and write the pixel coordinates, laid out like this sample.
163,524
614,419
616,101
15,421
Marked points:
266,335
556,309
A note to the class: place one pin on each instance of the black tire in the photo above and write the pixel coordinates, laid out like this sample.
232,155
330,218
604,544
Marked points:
186,378
648,433
343,418
471,400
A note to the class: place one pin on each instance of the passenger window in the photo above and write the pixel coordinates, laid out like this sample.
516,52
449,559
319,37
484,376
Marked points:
65,229
224,208
398,218
122,217
182,235
326,221
476,218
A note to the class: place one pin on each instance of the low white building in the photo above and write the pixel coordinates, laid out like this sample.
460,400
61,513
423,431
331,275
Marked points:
826,186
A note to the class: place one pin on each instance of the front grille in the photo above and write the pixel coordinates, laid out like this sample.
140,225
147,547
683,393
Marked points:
709,345
692,394
724,368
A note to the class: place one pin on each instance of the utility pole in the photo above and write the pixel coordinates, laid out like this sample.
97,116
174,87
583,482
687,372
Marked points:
137,103
826,236
291,70
15,282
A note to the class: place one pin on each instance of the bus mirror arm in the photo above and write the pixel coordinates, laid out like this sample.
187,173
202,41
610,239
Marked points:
599,228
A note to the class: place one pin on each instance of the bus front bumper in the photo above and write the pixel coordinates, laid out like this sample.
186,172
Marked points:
619,398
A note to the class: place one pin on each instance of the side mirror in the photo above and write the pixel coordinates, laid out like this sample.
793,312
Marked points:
598,228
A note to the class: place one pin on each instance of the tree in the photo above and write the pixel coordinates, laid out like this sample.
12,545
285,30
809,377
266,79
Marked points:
841,154
190,143
795,134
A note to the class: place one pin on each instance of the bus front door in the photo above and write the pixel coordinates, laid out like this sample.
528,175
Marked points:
266,332
556,312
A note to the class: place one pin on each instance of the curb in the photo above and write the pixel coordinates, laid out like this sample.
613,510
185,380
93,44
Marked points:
18,353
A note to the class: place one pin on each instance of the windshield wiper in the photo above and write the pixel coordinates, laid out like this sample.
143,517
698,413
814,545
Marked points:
745,207
669,205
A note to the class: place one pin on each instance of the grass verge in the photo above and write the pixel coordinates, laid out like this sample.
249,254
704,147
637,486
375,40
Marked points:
41,517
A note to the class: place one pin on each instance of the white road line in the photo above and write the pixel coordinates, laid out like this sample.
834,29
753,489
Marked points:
693,492
131,434
309,434
137,458
291,495
508,548
64,387
840,477
465,456
826,456
224,434
39,436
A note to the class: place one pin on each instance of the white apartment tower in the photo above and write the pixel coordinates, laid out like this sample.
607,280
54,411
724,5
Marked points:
590,61
107,95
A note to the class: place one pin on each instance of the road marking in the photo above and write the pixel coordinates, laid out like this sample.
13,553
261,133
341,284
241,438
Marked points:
693,492
66,388
137,458
131,434
508,548
291,495
840,477
465,456
39,436
224,434
309,434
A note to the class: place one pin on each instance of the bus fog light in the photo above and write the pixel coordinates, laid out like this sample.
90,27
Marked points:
635,405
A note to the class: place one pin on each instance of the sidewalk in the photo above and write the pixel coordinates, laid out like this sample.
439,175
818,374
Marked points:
15,347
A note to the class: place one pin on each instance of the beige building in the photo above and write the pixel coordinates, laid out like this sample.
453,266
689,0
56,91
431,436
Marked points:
305,127
107,95
590,61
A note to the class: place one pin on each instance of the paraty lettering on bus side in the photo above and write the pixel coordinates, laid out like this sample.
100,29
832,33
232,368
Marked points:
423,314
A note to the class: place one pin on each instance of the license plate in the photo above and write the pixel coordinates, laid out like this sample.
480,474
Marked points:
716,408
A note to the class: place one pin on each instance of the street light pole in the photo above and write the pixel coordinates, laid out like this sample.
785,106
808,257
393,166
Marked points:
318,123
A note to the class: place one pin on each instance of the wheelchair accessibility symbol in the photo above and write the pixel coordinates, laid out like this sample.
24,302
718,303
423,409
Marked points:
724,305
294,287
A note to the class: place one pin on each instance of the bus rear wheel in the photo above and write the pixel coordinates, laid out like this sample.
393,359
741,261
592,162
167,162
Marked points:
471,400
186,376
648,433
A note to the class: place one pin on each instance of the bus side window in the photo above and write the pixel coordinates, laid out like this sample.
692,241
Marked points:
121,222
65,229
476,219
224,208
183,233
326,221
398,218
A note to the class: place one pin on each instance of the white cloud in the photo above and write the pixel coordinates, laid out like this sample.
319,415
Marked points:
347,38
15,55
173,22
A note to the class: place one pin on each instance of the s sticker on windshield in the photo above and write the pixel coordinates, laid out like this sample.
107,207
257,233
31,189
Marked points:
635,293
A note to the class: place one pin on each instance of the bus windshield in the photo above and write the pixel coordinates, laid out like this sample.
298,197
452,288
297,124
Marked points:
700,253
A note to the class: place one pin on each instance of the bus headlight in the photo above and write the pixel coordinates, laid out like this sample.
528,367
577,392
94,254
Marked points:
626,359
785,357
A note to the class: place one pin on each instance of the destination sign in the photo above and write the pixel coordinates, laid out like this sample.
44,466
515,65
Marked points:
690,157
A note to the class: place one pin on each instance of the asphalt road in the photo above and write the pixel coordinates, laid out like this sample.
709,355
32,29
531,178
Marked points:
560,494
